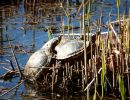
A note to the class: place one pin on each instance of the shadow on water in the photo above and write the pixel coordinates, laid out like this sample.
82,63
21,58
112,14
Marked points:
27,23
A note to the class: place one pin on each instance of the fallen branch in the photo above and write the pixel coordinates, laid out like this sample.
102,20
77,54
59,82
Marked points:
81,6
115,33
12,89
12,51
118,21
8,75
5,68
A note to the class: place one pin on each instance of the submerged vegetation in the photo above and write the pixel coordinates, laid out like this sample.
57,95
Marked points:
100,69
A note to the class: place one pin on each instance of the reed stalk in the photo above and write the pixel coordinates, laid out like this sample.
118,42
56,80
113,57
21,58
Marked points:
33,40
128,51
82,66
49,33
84,32
103,57
96,80
53,78
121,87
85,52
63,26
68,16
88,18
118,7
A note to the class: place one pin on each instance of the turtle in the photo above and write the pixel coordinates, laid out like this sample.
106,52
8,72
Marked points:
70,48
40,59
36,61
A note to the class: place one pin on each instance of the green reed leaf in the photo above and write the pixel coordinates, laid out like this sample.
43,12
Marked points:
121,87
49,33
103,68
118,3
118,6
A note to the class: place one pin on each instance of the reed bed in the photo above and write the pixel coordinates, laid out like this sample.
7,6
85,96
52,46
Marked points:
107,68
108,65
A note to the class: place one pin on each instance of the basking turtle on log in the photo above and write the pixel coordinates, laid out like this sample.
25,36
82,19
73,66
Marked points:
62,49
69,49
40,59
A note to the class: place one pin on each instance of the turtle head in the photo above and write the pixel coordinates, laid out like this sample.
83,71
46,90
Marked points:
49,46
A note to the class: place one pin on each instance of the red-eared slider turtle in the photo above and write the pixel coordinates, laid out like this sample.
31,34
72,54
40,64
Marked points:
40,59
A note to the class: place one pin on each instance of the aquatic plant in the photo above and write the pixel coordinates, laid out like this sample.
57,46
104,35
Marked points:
49,33
103,57
67,13
121,87
118,7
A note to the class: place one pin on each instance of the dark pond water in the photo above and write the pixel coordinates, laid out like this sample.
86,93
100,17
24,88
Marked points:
26,25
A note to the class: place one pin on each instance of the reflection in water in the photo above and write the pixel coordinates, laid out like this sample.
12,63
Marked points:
1,36
32,93
9,2
7,9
